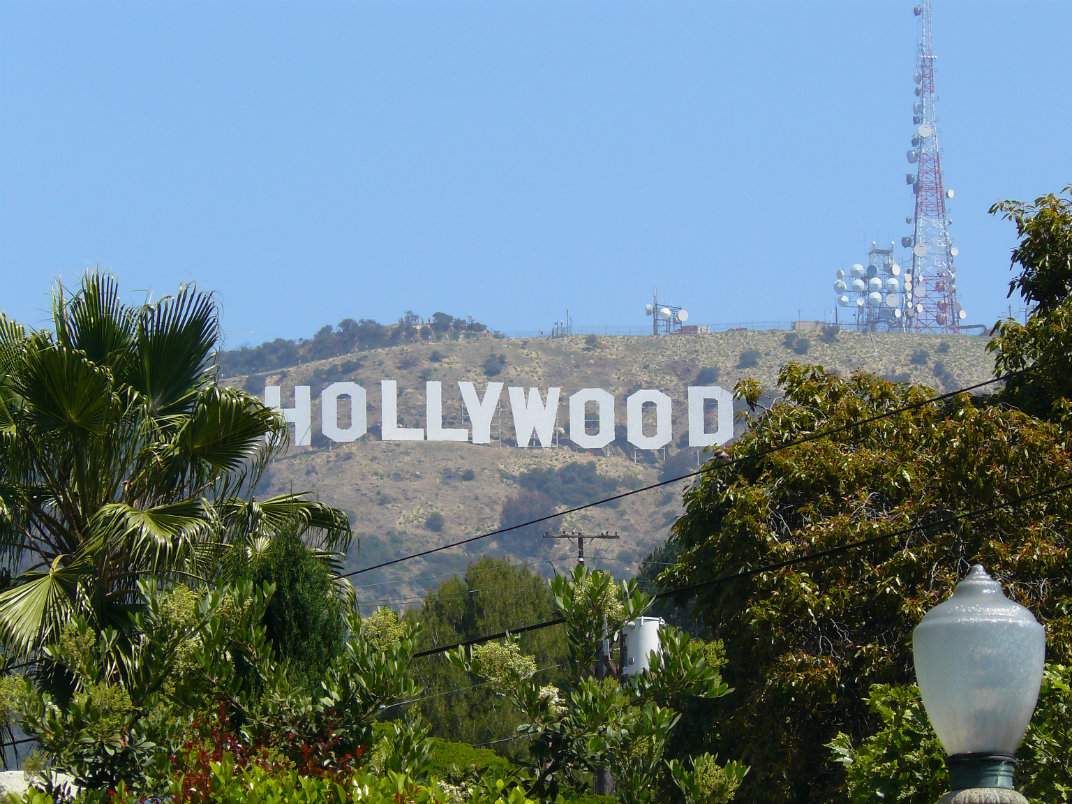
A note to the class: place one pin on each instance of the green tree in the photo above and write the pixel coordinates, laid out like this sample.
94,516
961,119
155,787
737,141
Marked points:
122,457
1044,257
804,644
492,596
590,723
903,760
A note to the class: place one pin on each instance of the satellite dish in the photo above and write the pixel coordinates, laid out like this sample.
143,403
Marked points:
857,270
843,301
919,308
893,301
874,299
893,285
918,77
840,274
682,316
925,130
858,285
665,314
860,301
920,250
874,283
919,292
840,286
895,269
948,193
954,251
906,241
648,309
962,315
940,318
908,219
912,156
897,313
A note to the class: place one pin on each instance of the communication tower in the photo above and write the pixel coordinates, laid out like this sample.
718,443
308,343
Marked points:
665,318
930,286
874,294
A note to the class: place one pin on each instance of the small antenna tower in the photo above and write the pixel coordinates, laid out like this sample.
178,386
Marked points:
665,318
931,285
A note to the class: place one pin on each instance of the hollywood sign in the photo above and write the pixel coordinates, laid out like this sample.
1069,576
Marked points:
535,414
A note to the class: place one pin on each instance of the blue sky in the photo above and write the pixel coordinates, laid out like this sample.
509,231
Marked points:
317,161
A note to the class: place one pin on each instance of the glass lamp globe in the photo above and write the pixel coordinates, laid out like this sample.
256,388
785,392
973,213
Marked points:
979,659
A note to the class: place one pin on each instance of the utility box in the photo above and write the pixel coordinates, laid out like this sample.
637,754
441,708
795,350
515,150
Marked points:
640,638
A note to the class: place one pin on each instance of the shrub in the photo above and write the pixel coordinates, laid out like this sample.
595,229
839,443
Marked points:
436,356
494,364
434,522
749,358
708,376
943,347
920,357
467,474
829,333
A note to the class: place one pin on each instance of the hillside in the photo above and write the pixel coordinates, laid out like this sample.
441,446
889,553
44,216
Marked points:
407,496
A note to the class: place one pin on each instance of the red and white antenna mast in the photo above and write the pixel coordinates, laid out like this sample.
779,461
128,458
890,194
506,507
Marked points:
931,286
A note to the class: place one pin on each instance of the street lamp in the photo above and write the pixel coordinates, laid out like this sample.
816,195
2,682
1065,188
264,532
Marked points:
979,660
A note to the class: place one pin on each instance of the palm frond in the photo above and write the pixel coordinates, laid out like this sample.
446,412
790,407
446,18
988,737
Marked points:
62,390
155,539
97,322
175,341
34,608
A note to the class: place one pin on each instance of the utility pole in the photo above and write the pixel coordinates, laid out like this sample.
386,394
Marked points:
605,667
580,537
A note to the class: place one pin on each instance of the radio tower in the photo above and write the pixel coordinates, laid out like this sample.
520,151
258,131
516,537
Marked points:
930,287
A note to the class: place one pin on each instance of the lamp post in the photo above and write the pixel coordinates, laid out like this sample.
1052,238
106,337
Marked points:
979,660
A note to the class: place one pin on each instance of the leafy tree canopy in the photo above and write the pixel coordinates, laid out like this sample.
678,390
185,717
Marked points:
804,644
122,457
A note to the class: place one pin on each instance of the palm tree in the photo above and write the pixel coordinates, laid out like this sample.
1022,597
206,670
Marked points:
121,457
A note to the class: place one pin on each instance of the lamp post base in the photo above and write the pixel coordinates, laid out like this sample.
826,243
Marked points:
983,795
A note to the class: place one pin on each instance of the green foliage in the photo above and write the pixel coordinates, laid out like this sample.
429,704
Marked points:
804,644
708,375
304,619
192,682
492,596
591,723
570,484
494,364
920,357
435,521
121,457
467,474
903,760
527,506
1044,255
797,343
749,358
707,782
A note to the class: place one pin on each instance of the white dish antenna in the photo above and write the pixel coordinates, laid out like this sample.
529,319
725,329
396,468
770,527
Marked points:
893,285
954,251
843,301
874,299
962,314
840,286
648,309
893,301
682,316
840,274
857,270
860,301
925,130
897,312
665,314
858,285
920,250
874,283
895,269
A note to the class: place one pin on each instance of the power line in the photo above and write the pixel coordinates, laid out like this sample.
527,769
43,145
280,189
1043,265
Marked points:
747,573
729,462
